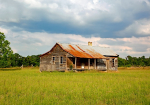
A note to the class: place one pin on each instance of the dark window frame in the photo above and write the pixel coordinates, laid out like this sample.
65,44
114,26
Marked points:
113,62
61,60
53,58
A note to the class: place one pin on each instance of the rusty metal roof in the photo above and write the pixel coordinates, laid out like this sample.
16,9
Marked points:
83,51
106,51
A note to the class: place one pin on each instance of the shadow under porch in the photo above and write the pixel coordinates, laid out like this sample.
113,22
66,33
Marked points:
82,64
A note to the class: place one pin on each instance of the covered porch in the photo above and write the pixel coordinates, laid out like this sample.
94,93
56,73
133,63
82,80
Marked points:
86,63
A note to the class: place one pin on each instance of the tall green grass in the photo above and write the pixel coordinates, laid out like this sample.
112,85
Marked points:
29,86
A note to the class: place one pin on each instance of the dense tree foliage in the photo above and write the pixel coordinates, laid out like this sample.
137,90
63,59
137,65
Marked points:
8,59
5,51
33,60
16,60
133,61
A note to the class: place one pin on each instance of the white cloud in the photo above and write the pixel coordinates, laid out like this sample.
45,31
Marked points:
147,2
3,30
139,27
95,1
144,28
71,11
14,50
34,3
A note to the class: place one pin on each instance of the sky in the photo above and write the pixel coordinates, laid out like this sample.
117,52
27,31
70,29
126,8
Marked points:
34,26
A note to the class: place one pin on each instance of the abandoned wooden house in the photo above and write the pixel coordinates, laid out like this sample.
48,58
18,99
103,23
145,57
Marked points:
78,57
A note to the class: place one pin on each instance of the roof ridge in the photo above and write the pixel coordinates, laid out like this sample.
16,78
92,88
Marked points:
83,45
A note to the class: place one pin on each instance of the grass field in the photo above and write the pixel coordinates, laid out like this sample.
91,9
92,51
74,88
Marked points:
29,86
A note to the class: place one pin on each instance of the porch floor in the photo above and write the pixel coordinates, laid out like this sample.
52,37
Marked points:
88,69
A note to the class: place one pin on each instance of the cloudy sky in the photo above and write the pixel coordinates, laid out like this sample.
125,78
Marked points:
34,26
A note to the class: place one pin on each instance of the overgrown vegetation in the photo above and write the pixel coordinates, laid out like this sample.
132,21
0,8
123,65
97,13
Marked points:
29,86
134,61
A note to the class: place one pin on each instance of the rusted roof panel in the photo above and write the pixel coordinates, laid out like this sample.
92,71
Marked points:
102,50
81,51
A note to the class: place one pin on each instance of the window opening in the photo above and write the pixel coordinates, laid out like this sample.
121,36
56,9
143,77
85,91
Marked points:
113,62
53,60
61,60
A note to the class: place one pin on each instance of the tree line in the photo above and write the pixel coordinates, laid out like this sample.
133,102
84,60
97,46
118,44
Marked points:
16,60
10,59
133,61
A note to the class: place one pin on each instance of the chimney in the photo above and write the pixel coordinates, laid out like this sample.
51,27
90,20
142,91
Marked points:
89,43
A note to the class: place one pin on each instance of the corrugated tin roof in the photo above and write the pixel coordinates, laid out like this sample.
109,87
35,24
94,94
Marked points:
88,51
83,51
102,50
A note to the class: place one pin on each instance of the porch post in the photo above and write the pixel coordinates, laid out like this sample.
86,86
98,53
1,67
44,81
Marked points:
59,63
75,62
107,64
66,62
89,63
95,63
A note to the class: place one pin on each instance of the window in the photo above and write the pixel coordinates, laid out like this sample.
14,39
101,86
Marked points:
61,60
113,62
53,60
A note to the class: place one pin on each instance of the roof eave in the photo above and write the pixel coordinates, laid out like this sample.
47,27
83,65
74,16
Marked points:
111,55
49,50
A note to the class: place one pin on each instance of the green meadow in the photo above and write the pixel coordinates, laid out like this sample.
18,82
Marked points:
28,86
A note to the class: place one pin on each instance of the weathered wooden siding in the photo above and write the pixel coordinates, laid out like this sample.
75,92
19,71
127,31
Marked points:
112,64
101,64
47,64
44,63
70,61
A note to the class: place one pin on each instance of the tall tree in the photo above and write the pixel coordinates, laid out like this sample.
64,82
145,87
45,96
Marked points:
4,45
5,51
